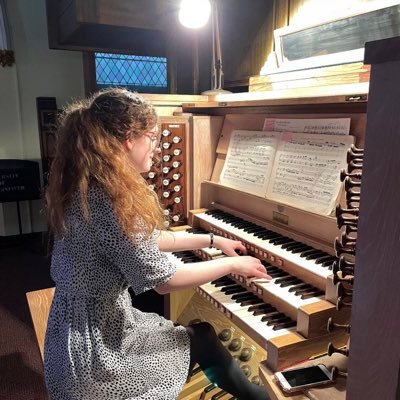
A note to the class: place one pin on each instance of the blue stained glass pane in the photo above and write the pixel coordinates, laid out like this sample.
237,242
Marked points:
131,70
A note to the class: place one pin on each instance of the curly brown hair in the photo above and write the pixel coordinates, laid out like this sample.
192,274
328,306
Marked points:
89,151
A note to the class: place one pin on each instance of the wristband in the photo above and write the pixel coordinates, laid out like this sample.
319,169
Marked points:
211,240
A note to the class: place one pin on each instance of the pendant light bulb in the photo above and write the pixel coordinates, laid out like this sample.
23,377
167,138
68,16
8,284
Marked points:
194,13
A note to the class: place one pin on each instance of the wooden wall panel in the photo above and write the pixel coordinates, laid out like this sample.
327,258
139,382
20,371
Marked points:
281,13
246,37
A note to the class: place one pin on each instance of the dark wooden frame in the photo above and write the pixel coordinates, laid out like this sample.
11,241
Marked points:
375,323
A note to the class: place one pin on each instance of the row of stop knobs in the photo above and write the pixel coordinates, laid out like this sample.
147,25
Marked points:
168,180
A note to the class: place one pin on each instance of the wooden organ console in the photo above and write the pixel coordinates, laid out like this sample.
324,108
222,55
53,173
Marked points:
309,307
283,322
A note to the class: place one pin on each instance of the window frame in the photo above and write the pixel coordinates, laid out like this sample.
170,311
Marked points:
90,83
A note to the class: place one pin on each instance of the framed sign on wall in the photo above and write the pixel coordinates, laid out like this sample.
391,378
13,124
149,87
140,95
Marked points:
337,41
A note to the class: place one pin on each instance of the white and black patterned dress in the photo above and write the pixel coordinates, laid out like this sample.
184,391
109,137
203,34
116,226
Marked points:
97,345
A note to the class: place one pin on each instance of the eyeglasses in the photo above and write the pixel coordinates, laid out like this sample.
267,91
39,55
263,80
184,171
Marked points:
155,139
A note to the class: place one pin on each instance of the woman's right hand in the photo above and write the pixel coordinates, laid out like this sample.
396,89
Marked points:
247,266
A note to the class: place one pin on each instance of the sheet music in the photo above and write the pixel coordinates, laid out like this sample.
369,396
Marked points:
306,171
249,161
328,126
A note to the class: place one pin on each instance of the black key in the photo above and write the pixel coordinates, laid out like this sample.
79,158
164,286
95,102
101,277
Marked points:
288,244
279,320
224,280
231,287
270,319
233,291
242,296
317,293
308,252
280,274
266,235
270,315
188,259
328,264
300,249
299,287
264,310
284,325
263,306
315,255
291,283
281,240
303,291
325,258
251,302
285,279
255,229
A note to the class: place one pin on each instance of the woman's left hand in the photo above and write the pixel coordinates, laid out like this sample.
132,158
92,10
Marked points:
228,246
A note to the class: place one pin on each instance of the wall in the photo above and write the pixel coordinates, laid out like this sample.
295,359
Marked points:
38,72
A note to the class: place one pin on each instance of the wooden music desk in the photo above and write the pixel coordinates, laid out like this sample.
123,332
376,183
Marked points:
334,392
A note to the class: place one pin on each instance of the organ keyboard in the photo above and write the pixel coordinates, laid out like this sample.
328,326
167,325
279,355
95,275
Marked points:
301,265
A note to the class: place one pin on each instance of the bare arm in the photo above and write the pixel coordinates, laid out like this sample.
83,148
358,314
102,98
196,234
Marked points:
192,275
179,241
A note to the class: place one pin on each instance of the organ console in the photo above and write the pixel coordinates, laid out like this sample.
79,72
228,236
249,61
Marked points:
284,321
316,261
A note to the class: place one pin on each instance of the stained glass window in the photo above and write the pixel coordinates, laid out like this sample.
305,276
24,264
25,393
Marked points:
139,73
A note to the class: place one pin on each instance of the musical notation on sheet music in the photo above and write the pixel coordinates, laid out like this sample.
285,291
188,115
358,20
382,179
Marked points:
249,161
306,170
327,126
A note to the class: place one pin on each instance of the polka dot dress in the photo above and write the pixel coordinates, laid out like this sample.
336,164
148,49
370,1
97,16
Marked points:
97,345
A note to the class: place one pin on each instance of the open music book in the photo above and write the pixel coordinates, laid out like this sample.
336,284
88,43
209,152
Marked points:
298,169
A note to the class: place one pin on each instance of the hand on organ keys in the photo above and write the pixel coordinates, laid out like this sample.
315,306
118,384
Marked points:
250,268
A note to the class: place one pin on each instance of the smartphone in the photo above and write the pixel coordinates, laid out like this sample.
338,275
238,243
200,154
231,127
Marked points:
293,380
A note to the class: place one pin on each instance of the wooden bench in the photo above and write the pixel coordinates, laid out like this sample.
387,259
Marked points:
39,302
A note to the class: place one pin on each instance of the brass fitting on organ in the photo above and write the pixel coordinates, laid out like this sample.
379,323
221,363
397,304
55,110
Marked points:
344,271
347,240
343,221
344,174
340,211
356,150
344,291
332,349
341,303
351,184
353,166
337,279
331,326
341,248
